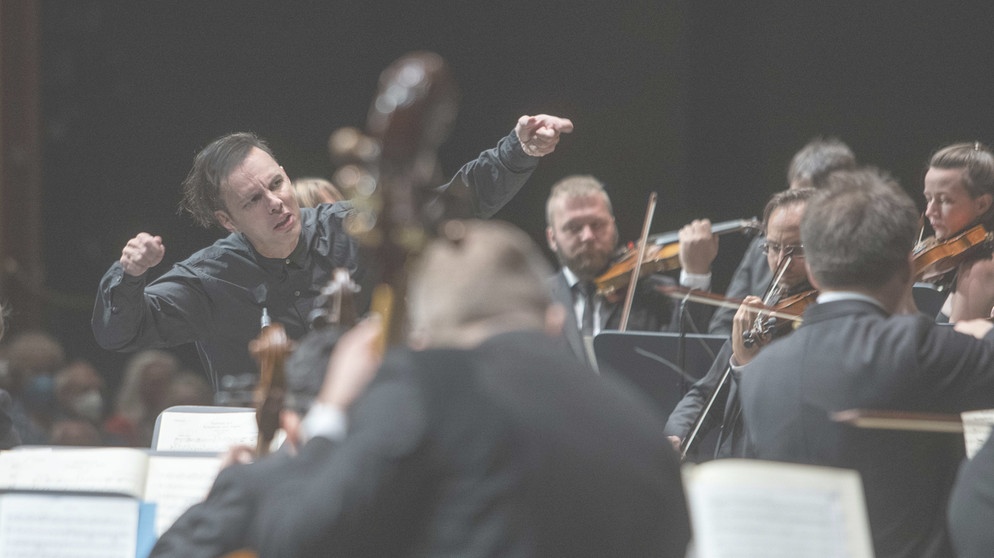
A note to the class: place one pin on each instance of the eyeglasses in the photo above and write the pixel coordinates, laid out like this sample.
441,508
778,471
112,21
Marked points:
793,250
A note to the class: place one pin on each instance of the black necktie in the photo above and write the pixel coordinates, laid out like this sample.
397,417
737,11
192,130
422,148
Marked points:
586,290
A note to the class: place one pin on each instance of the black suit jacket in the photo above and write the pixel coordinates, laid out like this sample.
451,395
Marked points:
725,412
751,277
503,450
220,523
651,311
971,506
850,355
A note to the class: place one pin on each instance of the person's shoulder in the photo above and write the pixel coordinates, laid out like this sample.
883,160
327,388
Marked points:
231,245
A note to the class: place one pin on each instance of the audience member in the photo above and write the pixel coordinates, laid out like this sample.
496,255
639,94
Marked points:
140,399
33,358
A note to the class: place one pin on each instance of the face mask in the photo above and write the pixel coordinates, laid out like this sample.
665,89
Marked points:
39,393
90,405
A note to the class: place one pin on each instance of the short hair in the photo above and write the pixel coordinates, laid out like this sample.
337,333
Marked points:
859,230
211,168
479,273
785,199
977,162
575,186
819,158
309,191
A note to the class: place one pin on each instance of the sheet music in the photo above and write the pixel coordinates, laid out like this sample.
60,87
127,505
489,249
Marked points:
177,482
976,429
741,510
67,526
114,470
205,431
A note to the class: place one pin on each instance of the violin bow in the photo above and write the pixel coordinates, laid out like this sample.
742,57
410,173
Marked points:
633,280
900,420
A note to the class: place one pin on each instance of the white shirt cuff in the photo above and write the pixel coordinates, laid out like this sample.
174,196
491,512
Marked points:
698,281
325,421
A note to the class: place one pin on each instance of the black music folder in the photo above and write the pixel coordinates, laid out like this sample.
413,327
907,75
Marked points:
651,361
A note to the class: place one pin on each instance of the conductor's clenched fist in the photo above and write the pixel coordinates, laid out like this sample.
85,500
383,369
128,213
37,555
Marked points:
141,253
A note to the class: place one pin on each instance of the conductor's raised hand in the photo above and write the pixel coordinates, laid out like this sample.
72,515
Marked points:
539,134
141,253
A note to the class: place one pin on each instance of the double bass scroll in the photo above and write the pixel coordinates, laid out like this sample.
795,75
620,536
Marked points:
410,116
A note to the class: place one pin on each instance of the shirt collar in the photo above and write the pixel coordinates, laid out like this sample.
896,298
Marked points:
833,296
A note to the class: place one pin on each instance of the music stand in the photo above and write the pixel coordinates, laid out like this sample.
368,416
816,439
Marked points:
928,298
650,361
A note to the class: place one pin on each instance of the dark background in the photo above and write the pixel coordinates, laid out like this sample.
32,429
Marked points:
703,102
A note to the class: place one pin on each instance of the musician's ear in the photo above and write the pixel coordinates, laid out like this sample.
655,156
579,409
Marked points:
811,276
983,203
550,237
225,221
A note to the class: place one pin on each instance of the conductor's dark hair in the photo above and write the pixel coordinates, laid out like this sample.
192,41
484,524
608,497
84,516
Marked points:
211,167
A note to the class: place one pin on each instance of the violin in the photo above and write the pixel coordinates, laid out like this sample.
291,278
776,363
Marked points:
933,258
270,349
782,318
661,254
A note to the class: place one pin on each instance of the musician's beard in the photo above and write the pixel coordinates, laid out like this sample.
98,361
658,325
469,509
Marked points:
587,265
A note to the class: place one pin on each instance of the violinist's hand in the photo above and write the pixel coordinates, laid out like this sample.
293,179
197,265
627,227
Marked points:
141,253
977,328
539,134
239,453
698,247
352,365
743,321
677,443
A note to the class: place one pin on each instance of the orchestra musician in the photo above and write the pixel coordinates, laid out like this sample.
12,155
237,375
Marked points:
219,525
784,255
971,505
277,256
582,233
808,168
470,445
959,193
855,349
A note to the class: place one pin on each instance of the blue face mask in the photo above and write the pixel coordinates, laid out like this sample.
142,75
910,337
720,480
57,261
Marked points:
39,393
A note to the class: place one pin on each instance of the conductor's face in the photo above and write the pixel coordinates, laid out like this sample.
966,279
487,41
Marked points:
582,234
259,203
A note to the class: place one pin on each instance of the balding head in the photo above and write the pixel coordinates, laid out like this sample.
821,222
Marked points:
481,278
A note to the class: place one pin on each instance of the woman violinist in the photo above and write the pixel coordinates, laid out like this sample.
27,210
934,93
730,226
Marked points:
959,194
